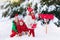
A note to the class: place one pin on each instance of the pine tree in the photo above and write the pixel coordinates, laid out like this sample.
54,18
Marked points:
53,2
14,5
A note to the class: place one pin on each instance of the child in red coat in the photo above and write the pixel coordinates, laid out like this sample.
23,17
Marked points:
18,27
14,26
22,27
30,21
33,25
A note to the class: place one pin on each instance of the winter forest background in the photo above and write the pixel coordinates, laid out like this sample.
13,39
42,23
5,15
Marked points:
9,8
40,6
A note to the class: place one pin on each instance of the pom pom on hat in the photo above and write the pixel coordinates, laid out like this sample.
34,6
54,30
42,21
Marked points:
29,9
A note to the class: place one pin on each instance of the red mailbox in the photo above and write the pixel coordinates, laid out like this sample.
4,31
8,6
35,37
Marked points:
46,16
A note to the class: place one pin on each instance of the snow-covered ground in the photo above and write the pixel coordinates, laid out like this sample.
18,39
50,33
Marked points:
40,32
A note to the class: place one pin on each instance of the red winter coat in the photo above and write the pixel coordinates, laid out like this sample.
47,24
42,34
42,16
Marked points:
21,28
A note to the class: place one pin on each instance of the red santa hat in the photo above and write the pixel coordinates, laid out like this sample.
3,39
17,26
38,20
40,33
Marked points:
29,9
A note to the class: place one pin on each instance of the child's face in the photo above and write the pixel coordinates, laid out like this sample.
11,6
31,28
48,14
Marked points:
21,23
16,19
32,13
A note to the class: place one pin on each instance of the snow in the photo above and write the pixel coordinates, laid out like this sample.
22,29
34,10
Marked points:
7,3
44,8
51,8
55,19
39,8
40,32
2,10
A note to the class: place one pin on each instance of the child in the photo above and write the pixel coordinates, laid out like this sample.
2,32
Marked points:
30,20
14,28
23,26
